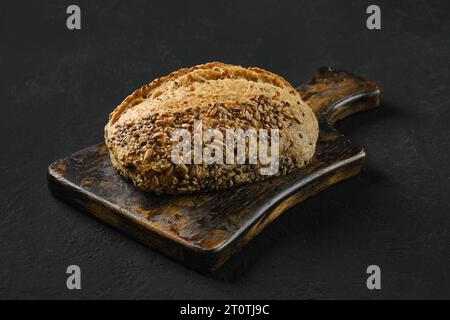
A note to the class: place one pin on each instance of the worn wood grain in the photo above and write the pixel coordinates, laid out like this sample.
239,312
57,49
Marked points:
203,230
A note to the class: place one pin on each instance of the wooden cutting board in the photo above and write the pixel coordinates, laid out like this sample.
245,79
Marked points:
203,230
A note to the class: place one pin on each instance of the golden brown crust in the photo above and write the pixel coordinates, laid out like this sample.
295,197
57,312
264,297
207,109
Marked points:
221,96
145,91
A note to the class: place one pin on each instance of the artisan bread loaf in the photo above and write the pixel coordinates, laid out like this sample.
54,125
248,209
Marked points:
140,131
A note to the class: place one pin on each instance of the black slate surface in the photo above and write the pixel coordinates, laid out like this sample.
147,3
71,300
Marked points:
58,86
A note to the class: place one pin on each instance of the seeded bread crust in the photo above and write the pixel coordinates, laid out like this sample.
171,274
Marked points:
221,96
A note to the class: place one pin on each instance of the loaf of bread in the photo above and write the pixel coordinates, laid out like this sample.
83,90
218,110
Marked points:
140,131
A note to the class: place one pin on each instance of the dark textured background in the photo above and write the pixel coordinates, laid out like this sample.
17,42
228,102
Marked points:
58,86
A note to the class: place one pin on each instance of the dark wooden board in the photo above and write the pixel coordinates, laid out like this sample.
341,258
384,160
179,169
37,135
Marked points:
203,230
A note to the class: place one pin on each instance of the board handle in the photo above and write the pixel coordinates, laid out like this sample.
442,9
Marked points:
334,95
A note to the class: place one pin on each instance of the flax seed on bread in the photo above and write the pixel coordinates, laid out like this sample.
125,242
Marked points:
138,133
